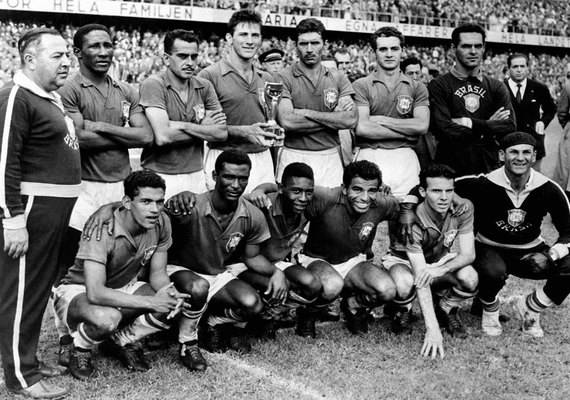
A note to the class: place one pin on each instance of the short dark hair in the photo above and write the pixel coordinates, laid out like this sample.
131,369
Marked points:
386,31
141,179
32,38
297,170
467,28
243,17
310,25
180,34
516,55
364,169
232,156
85,30
436,171
409,61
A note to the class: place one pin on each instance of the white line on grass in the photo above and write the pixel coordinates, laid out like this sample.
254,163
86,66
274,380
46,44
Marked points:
298,387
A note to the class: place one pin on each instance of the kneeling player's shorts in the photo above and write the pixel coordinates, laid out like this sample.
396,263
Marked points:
217,282
343,269
64,294
390,259
236,269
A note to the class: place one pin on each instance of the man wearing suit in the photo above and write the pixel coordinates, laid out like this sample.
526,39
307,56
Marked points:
534,106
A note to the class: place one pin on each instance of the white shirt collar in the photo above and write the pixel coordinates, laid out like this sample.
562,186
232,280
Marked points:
24,81
514,88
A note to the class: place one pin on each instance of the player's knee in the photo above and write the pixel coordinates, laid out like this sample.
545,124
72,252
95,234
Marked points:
404,281
468,278
251,303
310,286
332,287
385,289
198,289
105,320
486,273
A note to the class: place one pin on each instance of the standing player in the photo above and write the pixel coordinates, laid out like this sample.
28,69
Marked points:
392,113
184,112
533,105
316,103
510,204
108,120
40,178
101,289
240,89
426,147
469,110
431,260
218,240
562,171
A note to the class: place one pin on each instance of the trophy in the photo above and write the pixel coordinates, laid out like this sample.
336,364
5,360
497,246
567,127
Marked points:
271,97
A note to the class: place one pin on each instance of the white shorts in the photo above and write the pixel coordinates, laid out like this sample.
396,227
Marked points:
92,196
236,269
343,269
217,282
194,182
326,164
400,167
390,259
261,168
63,295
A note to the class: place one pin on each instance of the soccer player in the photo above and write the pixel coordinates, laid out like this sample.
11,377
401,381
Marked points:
533,105
392,113
469,111
101,290
339,246
425,149
219,240
184,112
40,177
562,170
108,120
240,89
429,263
316,103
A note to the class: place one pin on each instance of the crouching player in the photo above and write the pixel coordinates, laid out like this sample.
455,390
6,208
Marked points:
433,265
100,295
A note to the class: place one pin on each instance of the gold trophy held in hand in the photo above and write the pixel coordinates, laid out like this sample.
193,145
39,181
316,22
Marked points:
272,95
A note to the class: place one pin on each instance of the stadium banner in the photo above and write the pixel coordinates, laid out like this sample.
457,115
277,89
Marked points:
202,14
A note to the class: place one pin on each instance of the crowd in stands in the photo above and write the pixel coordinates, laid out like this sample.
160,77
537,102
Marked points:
546,17
138,54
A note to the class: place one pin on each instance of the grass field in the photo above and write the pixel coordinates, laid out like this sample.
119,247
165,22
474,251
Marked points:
338,365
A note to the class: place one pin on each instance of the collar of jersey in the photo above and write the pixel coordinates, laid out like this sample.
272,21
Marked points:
22,80
459,75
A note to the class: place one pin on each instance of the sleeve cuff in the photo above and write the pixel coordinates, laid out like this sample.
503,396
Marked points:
17,222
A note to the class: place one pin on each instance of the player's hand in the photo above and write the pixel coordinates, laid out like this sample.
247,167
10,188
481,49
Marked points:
500,114
15,242
277,288
433,344
213,117
539,128
426,277
538,263
344,104
406,221
182,203
385,189
95,223
259,199
459,205
167,299
259,134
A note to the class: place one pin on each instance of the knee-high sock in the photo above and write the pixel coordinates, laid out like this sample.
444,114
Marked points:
141,327
538,301
453,299
228,316
82,340
188,325
294,300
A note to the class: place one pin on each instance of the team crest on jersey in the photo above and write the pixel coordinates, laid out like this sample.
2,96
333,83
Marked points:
331,98
70,138
365,231
449,237
472,102
233,241
516,217
199,112
148,252
125,111
404,105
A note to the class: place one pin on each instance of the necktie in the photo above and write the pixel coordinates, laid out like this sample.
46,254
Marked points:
518,96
